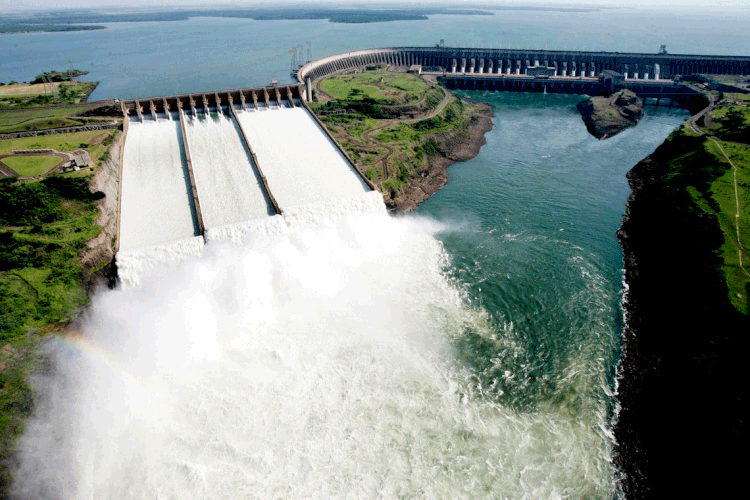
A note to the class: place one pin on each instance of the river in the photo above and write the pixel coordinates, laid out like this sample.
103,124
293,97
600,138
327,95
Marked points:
465,351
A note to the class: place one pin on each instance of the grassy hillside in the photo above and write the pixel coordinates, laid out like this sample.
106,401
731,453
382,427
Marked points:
387,121
44,226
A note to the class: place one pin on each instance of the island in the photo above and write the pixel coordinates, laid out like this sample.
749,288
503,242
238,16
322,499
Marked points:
401,130
607,116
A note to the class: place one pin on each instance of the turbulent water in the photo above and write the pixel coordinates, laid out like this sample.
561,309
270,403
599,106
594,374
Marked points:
329,361
229,187
467,351
156,201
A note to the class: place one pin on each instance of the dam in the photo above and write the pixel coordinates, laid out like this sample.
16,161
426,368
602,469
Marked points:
225,165
197,164
343,362
199,168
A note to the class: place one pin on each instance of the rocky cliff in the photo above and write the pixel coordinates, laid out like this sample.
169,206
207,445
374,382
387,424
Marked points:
99,252
682,380
452,147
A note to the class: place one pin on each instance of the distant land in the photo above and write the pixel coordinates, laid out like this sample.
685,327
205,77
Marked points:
41,28
84,20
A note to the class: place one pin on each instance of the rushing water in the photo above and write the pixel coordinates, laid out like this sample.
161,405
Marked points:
465,351
364,356
301,163
157,204
229,187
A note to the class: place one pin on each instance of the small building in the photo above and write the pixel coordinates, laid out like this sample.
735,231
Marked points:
541,71
612,79
415,69
79,162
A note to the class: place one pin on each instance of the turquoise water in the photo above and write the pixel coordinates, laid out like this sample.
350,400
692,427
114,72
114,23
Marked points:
532,222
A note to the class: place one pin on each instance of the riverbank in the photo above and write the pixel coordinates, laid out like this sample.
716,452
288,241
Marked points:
450,147
56,236
681,377
400,130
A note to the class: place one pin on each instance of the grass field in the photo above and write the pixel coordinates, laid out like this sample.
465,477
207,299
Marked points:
384,87
364,120
27,166
20,120
41,94
94,141
25,89
723,194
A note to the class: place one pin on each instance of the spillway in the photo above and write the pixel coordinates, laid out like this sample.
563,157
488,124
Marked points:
302,165
156,206
228,186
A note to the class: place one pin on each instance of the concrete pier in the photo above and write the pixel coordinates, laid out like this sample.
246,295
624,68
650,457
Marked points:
191,174
263,180
216,100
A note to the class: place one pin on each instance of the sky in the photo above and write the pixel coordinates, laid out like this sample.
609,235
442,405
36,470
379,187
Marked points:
712,5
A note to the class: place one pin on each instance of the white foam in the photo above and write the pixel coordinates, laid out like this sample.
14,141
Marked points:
301,216
313,363
228,188
132,265
241,232
300,162
156,198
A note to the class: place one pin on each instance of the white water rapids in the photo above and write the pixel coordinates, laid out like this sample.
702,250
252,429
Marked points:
315,363
310,355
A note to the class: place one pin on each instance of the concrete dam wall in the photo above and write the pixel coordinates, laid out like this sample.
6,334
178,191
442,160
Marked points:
200,166
509,62
194,164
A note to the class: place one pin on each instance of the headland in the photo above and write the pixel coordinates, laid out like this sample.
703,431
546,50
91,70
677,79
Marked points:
685,237
401,130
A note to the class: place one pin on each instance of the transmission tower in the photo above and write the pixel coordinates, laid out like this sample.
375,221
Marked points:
70,70
293,54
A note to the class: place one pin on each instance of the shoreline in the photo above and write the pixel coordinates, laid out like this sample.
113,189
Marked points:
454,147
679,379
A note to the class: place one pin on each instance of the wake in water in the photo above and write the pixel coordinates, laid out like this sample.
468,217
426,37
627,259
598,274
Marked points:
316,362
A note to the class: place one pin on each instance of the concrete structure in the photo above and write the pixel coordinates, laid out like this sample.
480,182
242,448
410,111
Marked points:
249,97
651,76
633,66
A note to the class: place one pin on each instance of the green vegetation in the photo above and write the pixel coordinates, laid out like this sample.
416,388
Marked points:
377,87
58,76
21,120
43,228
699,179
96,142
414,141
27,166
722,203
56,20
41,28
375,117
44,94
